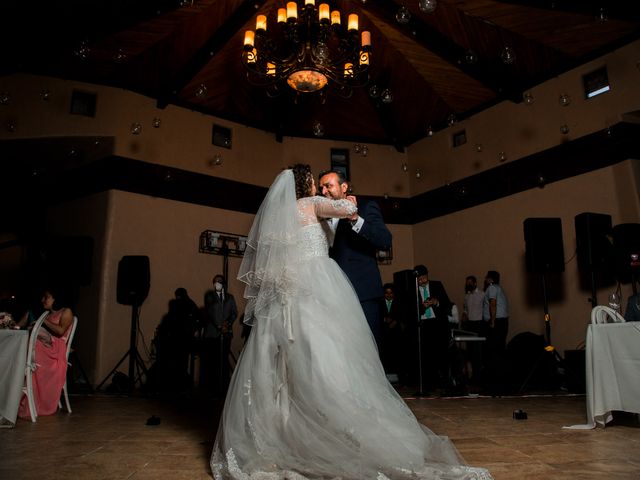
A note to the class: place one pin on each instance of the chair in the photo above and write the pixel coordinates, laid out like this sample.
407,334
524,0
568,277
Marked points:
32,366
64,388
604,314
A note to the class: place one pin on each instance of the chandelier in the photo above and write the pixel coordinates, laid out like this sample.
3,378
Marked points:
309,48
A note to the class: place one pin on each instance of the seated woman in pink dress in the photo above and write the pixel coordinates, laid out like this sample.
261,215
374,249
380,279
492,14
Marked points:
50,357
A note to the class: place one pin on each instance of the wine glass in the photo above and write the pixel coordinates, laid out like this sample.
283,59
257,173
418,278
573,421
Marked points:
614,301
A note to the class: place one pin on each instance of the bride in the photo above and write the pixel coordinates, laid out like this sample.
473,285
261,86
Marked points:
309,398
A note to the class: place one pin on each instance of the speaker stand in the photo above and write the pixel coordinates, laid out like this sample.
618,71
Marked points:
137,367
420,392
549,349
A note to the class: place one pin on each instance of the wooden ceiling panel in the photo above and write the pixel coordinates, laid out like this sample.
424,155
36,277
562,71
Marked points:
438,74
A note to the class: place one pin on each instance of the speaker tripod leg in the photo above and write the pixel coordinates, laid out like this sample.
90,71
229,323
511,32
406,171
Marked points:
76,361
134,357
547,333
141,369
421,392
124,357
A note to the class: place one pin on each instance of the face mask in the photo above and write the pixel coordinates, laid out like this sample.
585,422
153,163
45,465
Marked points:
218,286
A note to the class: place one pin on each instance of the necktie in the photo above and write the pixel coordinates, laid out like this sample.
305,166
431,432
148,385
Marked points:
428,313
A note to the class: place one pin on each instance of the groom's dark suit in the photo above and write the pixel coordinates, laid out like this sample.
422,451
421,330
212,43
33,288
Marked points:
355,253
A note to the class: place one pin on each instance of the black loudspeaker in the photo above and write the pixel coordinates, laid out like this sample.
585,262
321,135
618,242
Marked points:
626,244
404,280
593,242
544,251
134,277
404,289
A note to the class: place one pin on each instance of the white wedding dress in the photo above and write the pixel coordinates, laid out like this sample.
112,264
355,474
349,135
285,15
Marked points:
309,398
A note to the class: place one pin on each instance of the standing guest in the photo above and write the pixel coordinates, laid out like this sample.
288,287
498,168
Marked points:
354,244
472,321
472,308
632,312
390,349
174,343
495,311
190,319
50,355
220,311
435,308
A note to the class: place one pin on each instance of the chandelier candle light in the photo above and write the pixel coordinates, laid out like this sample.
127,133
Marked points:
309,48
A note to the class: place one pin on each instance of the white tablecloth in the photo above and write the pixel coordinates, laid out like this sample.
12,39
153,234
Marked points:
13,361
612,371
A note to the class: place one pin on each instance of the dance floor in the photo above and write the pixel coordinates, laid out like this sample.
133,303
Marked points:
107,437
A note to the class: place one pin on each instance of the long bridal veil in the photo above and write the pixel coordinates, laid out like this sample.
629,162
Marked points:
272,253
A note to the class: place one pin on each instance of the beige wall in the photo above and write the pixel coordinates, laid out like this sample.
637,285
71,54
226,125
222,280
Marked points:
471,241
403,247
168,233
491,237
520,130
183,139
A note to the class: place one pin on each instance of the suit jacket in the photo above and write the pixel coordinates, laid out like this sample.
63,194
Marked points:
632,312
443,309
393,314
355,253
217,312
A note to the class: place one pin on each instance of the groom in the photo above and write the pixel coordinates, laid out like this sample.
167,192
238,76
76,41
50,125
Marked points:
354,247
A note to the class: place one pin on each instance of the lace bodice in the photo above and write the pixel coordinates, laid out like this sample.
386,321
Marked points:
313,241
313,234
312,209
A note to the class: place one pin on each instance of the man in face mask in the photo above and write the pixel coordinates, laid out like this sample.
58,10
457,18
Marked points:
220,311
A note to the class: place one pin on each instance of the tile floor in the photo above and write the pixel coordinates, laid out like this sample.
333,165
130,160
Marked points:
106,437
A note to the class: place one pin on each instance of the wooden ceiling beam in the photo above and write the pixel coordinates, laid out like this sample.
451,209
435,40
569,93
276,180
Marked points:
618,9
216,42
493,76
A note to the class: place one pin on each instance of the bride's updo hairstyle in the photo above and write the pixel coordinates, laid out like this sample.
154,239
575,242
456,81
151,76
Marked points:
303,178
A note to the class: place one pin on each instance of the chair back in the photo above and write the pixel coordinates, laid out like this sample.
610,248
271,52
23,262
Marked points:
31,365
72,332
33,337
605,314
65,393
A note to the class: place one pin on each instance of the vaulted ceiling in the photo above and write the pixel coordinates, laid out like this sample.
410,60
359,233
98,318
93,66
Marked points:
437,65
